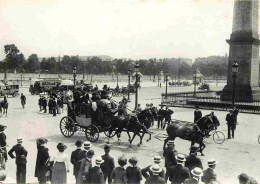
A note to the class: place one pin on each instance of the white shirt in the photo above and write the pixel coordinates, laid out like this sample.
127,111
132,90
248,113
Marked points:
61,157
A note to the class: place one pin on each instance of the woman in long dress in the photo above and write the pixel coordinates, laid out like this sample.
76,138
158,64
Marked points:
61,166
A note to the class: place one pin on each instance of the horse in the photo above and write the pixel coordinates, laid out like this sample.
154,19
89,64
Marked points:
191,133
138,124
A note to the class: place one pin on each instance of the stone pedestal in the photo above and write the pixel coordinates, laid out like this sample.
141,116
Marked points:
244,49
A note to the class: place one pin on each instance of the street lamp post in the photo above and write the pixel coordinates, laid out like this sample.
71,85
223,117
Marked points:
154,80
117,81
166,80
234,71
74,76
195,84
136,83
129,75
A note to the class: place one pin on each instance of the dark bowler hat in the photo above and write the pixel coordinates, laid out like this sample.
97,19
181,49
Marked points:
243,177
193,149
90,153
107,147
61,146
2,128
78,143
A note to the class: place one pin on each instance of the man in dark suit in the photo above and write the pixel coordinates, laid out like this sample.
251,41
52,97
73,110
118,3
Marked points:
167,115
235,111
74,158
146,172
20,160
155,178
196,175
197,114
170,159
231,123
192,160
209,174
160,115
108,165
179,173
95,173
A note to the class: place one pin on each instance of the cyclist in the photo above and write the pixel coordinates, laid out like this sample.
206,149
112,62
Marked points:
23,100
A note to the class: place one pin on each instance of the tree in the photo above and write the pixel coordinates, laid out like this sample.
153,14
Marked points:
14,59
33,64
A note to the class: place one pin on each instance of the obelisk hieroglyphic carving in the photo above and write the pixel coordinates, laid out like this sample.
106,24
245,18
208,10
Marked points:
244,49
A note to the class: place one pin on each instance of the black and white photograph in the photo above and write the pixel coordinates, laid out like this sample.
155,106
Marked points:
129,92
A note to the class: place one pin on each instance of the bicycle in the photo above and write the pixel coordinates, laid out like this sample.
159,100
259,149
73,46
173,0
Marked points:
219,137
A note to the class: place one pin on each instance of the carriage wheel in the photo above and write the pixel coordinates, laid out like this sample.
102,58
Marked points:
218,137
112,134
92,133
67,126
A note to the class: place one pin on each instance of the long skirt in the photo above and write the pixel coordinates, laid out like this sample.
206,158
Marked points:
59,173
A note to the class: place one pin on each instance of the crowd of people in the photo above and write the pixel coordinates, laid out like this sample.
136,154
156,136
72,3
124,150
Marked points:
54,103
177,169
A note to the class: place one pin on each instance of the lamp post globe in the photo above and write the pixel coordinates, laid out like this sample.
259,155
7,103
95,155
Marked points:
234,71
136,83
129,76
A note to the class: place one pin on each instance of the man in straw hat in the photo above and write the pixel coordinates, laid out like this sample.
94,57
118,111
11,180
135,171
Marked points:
196,175
3,140
192,160
146,172
155,178
179,173
108,165
96,175
170,159
85,165
74,158
209,174
20,160
86,147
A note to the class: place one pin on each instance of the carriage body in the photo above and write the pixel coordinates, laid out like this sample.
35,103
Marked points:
86,118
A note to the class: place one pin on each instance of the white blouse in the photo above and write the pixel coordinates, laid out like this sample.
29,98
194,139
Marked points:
61,157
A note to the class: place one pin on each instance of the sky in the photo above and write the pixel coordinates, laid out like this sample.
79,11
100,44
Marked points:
136,29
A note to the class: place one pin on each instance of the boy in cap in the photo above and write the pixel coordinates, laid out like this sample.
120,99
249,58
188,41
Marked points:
108,165
209,174
192,160
170,159
95,173
146,172
85,165
196,175
179,173
74,158
155,178
20,160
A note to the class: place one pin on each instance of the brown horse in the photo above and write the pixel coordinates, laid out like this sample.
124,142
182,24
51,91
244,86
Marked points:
191,132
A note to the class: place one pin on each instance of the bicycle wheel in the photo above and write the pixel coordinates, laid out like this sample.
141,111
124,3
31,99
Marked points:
218,137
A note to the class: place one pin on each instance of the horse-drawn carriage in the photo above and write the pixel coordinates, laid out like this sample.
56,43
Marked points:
97,117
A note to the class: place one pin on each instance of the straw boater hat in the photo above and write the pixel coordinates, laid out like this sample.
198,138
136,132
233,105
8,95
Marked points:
211,162
19,140
180,158
197,172
156,168
157,159
99,160
170,142
87,145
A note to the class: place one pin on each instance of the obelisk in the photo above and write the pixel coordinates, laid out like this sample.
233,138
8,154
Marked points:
244,49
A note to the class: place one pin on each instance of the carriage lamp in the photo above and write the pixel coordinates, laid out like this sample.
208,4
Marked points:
129,76
166,80
136,83
234,71
74,75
